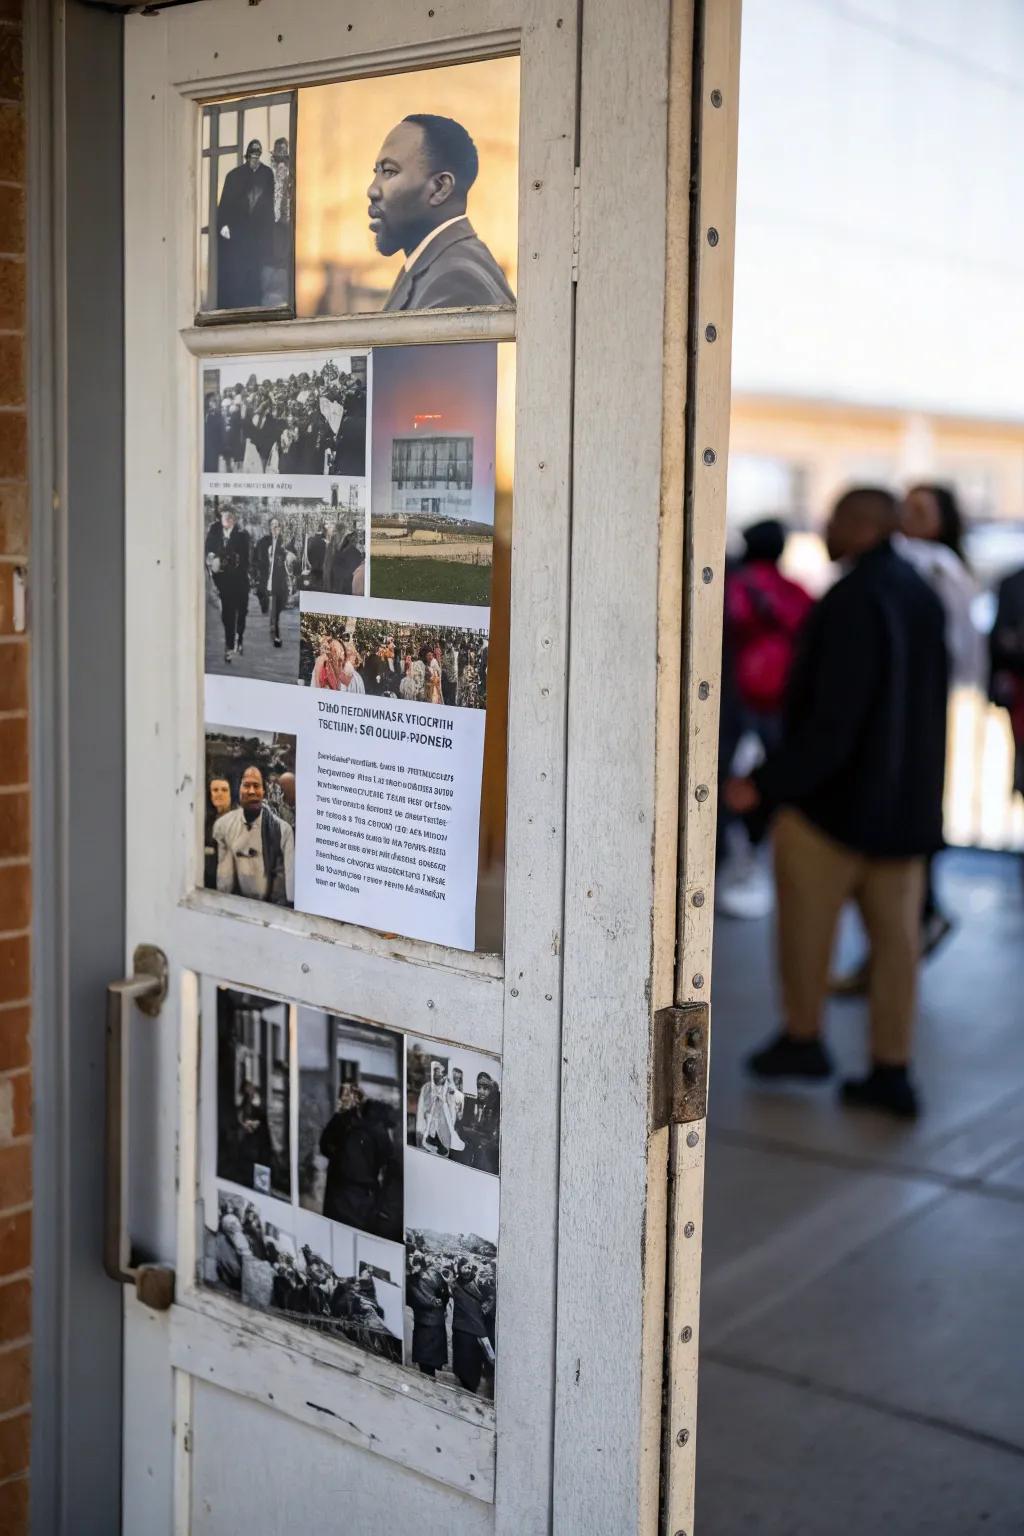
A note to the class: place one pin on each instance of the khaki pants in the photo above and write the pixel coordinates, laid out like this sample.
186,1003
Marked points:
814,878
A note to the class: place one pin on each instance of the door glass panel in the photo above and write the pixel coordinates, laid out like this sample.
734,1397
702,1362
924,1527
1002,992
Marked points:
371,1215
396,192
357,557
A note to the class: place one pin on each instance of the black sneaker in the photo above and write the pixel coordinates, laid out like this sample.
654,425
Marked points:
238,647
786,1057
885,1088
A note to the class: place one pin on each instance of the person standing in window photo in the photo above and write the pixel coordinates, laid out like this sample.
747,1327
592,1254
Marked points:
245,232
417,204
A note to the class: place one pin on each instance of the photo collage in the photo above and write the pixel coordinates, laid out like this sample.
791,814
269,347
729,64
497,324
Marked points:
350,1182
348,503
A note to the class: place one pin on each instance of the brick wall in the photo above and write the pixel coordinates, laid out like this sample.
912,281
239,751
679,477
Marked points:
15,889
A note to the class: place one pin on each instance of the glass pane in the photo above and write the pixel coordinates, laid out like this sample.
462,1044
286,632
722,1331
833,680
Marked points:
206,127
248,262
227,128
357,531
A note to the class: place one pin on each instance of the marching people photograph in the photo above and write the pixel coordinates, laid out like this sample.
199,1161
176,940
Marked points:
301,417
350,1122
247,235
420,663
249,848
407,190
433,472
253,1094
300,1276
453,1104
451,1299
261,552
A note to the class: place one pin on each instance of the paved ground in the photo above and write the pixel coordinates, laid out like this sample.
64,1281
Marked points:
261,658
863,1311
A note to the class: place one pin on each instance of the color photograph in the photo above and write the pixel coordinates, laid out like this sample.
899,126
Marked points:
249,814
433,453
421,663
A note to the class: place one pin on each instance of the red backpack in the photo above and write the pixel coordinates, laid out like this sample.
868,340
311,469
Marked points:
765,612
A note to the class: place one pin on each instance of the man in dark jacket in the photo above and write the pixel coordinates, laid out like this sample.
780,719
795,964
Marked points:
358,1150
421,181
469,1326
856,793
227,559
272,587
245,231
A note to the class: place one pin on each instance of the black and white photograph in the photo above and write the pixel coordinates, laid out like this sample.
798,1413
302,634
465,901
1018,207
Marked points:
260,554
249,814
253,1092
247,201
451,1279
421,663
453,1104
295,417
350,1123
297,1274
407,190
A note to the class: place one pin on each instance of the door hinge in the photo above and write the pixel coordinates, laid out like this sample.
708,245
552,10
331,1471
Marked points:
576,225
679,1065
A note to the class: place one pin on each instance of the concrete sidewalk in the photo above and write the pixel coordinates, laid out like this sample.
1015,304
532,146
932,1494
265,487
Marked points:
863,1310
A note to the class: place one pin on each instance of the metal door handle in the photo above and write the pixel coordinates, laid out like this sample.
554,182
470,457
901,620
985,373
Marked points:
147,988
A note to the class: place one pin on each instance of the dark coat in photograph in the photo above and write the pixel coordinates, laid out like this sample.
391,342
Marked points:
863,754
213,439
246,210
350,443
427,1295
358,1152
275,581
343,559
456,270
233,553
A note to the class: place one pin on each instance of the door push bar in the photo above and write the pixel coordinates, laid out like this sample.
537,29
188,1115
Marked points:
147,988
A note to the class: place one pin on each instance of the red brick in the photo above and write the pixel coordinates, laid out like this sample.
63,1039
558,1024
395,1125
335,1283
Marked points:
15,824
14,512
13,751
12,76
15,1378
15,1310
15,897
12,220
15,1038
15,1175
12,142
15,1437
11,10
13,440
14,1507
16,1090
13,663
12,294
12,370
15,974
15,1243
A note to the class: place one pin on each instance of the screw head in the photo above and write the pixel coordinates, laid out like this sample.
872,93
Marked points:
709,455
698,898
682,1437
703,690
694,1037
710,333
698,981
692,1139
701,793
707,575
686,1335
689,1229
716,97
712,236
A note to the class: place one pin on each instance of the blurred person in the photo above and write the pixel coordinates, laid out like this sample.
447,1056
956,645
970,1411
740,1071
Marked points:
344,564
930,537
359,1152
245,229
255,848
764,613
428,1294
855,790
417,204
471,1346
218,803
1006,663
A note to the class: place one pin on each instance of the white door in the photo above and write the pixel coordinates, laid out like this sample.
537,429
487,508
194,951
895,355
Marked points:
394,814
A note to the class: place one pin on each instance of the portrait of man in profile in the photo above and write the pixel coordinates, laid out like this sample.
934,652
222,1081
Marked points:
417,204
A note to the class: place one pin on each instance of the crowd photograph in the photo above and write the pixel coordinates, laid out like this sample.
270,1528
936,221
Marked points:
249,814
251,1257
350,1123
421,663
253,1092
258,421
249,234
453,1104
260,554
451,1303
